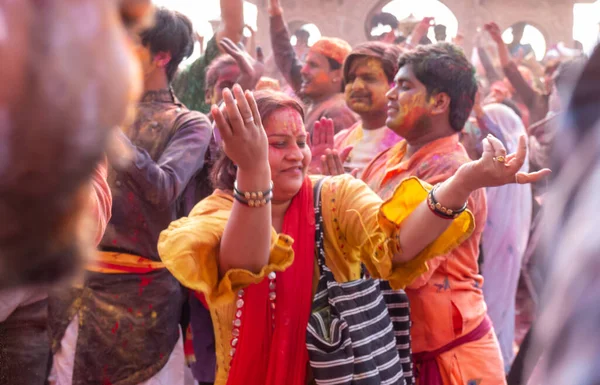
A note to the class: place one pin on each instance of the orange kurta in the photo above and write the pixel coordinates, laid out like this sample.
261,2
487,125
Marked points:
447,301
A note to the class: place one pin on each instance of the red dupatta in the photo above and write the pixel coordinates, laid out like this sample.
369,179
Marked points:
273,357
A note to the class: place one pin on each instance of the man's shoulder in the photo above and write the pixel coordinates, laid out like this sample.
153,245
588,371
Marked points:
439,164
191,121
378,164
188,116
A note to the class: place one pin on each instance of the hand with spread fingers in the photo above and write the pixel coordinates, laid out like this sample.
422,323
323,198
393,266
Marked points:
496,168
240,127
251,69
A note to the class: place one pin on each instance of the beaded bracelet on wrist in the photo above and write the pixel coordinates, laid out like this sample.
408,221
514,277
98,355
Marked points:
258,202
252,194
253,198
439,210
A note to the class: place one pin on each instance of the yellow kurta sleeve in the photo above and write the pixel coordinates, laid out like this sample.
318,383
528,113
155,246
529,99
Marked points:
359,227
189,248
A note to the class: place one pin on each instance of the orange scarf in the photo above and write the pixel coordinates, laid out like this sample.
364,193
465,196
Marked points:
273,357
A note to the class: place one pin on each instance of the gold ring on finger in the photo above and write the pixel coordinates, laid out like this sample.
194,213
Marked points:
500,159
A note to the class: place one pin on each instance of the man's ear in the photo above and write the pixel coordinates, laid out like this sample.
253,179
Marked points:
440,103
337,76
208,94
162,59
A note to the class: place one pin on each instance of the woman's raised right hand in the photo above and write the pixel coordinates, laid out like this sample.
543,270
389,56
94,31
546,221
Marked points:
244,139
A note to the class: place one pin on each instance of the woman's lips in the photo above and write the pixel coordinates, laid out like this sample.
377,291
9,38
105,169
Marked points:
293,170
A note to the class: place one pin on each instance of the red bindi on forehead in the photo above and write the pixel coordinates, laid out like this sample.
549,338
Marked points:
285,121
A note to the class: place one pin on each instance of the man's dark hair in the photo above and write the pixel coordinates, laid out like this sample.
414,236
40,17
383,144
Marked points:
519,27
216,67
443,67
334,64
302,34
384,18
172,32
387,54
439,29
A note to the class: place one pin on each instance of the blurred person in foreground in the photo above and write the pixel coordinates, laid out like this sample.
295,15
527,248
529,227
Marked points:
45,103
54,198
121,326
567,334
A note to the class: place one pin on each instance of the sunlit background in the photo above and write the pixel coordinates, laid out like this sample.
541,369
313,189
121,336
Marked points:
202,13
585,29
531,36
404,9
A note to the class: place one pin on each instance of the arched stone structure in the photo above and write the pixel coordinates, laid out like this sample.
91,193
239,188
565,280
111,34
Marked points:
346,18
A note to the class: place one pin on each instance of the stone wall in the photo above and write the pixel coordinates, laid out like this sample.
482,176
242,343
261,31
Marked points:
346,18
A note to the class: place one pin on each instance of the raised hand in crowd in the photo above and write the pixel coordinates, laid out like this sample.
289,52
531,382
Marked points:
332,163
275,8
322,141
494,30
251,41
420,31
240,127
496,168
251,69
246,144
496,34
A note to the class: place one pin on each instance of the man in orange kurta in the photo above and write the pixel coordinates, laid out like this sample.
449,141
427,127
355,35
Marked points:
429,104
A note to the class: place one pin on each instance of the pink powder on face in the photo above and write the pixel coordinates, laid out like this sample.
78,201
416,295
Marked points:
285,121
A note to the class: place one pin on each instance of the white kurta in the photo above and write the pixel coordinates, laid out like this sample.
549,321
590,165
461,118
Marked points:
505,237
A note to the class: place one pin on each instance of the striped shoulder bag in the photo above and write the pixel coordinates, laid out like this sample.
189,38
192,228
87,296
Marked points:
350,337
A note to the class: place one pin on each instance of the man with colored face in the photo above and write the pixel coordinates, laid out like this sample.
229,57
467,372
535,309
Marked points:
318,80
429,104
221,74
368,73
122,324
